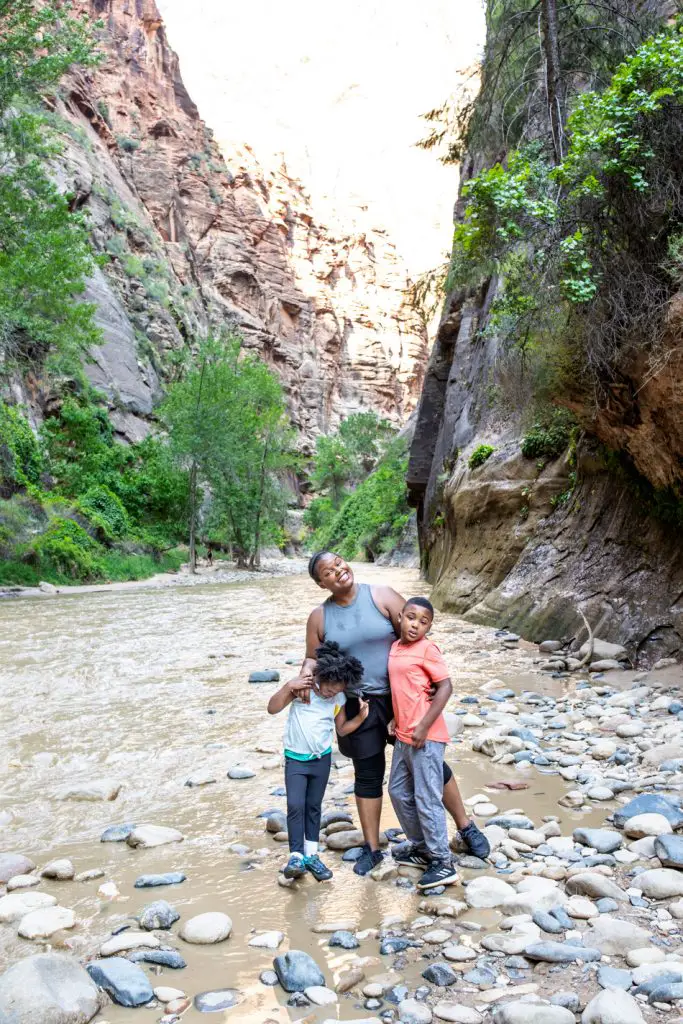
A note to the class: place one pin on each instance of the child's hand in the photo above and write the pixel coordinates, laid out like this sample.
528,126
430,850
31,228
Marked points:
300,688
363,709
419,735
391,728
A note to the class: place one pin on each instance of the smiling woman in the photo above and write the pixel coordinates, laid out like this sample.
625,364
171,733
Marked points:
365,621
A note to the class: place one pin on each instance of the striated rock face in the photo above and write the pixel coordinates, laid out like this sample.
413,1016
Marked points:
198,243
496,541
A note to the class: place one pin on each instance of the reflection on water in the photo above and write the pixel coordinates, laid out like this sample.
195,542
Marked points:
147,686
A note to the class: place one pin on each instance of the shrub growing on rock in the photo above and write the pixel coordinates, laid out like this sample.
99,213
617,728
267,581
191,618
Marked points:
480,454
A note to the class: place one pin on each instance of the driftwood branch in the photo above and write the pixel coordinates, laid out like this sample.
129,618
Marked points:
589,653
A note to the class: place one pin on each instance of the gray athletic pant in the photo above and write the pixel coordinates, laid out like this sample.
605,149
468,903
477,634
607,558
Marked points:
416,791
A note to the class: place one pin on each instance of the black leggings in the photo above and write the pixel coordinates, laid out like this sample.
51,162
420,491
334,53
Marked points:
306,782
369,775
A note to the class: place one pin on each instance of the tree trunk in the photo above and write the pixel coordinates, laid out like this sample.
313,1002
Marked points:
255,554
193,517
553,75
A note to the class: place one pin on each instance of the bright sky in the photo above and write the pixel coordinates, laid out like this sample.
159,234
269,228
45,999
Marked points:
338,89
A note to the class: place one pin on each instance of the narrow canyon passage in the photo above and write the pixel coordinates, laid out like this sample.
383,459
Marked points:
148,687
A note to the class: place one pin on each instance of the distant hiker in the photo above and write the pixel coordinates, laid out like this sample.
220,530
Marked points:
416,667
314,713
209,555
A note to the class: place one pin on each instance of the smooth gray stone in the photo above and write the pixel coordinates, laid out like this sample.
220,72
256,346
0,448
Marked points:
219,999
117,833
297,970
151,881
562,917
665,978
604,840
507,822
667,993
560,952
267,676
614,977
268,978
48,987
164,957
440,974
669,849
125,982
569,1000
241,773
649,803
158,915
546,922
344,940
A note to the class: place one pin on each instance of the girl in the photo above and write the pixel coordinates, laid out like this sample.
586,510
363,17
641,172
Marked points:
314,713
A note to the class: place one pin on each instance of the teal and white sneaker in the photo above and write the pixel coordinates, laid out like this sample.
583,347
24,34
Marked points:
295,866
320,871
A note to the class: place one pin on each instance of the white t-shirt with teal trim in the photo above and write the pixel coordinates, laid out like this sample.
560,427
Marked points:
310,727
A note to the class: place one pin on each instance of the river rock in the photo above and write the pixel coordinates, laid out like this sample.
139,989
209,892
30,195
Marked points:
152,881
456,1013
12,864
657,883
19,904
669,992
508,821
440,974
266,676
642,825
604,649
604,840
145,837
343,939
546,922
47,989
41,924
349,979
205,929
125,982
98,789
649,803
532,1013
346,840
124,941
612,1006
165,994
669,849
413,1012
237,772
487,892
459,954
590,883
158,915
560,952
276,822
201,778
117,833
163,957
319,995
268,940
615,937
297,971
614,977
217,999
60,870
89,875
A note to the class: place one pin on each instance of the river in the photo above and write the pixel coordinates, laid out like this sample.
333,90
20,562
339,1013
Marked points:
147,686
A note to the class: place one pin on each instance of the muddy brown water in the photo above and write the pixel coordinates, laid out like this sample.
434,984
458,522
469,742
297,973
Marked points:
149,685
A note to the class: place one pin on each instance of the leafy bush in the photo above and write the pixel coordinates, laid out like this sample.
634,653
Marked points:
549,438
116,245
319,513
69,549
126,144
105,510
372,519
21,460
479,456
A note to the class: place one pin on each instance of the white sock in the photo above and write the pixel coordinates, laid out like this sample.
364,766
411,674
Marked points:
310,848
297,854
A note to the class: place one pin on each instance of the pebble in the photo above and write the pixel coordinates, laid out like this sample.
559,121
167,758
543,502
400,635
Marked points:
165,994
532,1013
117,833
319,995
217,999
128,940
164,957
266,676
456,1013
614,977
413,1012
158,915
240,773
440,974
22,882
560,952
125,982
343,939
206,929
297,971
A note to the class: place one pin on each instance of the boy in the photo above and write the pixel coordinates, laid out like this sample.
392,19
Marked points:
416,666
314,713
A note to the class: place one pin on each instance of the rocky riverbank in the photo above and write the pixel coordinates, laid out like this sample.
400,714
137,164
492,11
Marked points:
576,917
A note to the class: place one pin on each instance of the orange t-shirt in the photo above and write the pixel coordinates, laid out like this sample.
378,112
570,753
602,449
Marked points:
412,670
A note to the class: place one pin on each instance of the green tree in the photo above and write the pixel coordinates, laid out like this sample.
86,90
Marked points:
227,427
366,438
332,468
44,250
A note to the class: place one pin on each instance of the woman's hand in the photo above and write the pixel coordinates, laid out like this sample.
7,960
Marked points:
363,709
391,728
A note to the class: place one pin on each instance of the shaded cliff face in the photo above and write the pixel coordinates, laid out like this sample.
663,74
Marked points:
197,243
520,543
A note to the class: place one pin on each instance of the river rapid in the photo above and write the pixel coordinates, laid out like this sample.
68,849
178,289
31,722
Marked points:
147,686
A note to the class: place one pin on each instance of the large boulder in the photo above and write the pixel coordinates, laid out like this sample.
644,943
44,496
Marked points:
297,970
47,989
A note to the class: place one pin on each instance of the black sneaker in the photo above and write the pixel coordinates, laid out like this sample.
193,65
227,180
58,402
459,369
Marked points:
368,860
409,853
439,872
320,872
475,841
295,866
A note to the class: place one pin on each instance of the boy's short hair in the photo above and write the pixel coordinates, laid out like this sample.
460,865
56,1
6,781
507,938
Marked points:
421,602
334,666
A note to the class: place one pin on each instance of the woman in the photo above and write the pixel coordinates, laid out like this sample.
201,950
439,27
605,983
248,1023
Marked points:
363,620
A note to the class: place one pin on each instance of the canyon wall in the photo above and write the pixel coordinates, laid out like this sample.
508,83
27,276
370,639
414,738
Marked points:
199,240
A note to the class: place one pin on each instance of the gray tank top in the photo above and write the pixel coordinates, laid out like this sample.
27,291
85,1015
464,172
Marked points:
360,629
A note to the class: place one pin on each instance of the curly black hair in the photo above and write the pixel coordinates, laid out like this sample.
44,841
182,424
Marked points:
334,666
